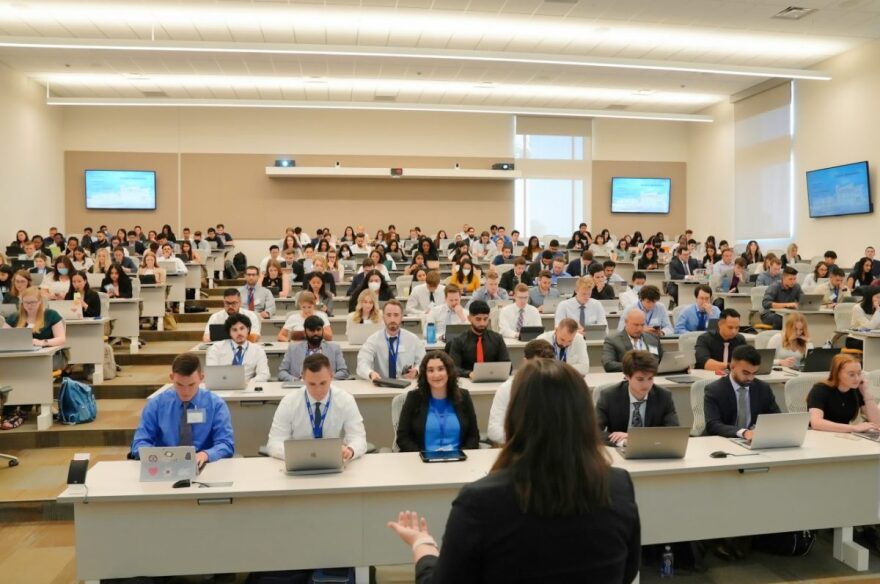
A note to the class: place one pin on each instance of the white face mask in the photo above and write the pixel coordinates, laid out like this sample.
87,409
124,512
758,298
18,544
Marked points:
466,272
637,287
374,286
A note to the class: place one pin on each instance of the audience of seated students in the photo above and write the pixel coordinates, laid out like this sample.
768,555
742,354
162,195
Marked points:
513,317
862,274
783,294
56,283
837,403
633,336
870,253
714,349
491,290
81,260
449,312
580,266
238,350
232,305
753,254
294,325
833,291
772,274
371,280
424,297
542,290
792,343
635,402
568,346
80,291
697,316
116,283
292,364
479,344
273,280
648,260
602,289
656,314
681,267
438,414
791,255
516,275
581,307
392,352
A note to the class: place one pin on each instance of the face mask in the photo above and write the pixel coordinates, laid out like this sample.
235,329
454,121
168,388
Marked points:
62,271
374,286
637,287
466,272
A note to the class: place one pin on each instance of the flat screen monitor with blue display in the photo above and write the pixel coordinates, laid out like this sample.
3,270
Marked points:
640,195
121,189
839,190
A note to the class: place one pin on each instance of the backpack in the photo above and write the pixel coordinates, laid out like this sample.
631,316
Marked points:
229,270
76,403
790,543
109,365
239,260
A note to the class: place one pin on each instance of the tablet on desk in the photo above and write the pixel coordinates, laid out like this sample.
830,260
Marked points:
443,456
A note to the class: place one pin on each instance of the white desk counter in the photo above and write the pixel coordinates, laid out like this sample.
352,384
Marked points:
30,375
125,313
820,322
176,289
340,519
85,341
740,302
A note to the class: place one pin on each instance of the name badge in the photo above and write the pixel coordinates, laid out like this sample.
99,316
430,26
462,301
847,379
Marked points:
195,416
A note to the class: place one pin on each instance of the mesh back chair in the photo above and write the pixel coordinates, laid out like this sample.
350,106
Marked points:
688,341
698,393
763,338
796,391
403,285
598,390
676,312
4,394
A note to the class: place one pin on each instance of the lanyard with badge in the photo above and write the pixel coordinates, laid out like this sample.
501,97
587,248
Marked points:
318,429
441,422
648,315
393,350
238,358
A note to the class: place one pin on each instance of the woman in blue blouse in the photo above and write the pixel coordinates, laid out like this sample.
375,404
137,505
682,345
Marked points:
437,414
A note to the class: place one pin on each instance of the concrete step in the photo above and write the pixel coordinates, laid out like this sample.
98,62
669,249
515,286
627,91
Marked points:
201,317
155,353
133,382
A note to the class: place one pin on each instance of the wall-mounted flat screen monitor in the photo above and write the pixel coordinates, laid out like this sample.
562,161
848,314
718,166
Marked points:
640,195
121,189
839,190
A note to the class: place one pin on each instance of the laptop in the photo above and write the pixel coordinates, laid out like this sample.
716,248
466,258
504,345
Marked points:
37,279
818,360
358,334
273,291
595,332
169,463
22,264
663,442
169,267
217,332
497,371
685,379
777,431
225,377
767,357
610,306
393,383
13,251
550,304
810,302
16,339
530,333
453,330
675,362
147,279
566,286
68,309
313,456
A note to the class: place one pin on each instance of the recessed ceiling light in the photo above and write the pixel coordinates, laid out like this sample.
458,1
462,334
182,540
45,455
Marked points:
644,92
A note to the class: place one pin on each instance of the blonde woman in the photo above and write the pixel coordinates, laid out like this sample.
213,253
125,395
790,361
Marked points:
334,267
792,343
273,277
150,267
367,310
791,255
836,403
102,261
21,281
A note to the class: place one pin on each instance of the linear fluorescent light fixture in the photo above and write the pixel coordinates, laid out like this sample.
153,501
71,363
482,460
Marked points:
257,103
408,53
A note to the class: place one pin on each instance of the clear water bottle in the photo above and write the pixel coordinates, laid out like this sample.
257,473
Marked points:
667,564
431,333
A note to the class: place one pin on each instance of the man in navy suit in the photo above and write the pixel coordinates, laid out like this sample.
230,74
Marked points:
680,267
291,365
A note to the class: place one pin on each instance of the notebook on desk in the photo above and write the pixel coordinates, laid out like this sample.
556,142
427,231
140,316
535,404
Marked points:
486,372
225,377
656,442
810,302
777,431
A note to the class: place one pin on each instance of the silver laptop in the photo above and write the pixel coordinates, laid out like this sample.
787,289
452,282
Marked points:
594,332
665,442
169,463
777,431
225,377
8,310
16,339
767,357
169,267
498,371
358,334
550,304
313,456
453,330
610,306
68,309
675,362
37,279
810,302
566,286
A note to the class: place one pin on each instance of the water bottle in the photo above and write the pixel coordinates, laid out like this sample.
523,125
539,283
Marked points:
667,564
431,333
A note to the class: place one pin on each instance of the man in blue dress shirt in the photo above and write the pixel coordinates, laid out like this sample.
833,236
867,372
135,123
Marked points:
186,415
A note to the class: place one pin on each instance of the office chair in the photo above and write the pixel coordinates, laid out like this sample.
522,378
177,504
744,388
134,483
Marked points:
4,395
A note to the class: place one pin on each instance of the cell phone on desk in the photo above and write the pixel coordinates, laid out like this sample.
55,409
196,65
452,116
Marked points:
443,456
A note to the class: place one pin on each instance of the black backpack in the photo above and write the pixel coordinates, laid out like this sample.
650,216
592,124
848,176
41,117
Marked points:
239,260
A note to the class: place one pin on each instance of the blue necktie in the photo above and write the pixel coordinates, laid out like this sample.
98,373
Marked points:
701,320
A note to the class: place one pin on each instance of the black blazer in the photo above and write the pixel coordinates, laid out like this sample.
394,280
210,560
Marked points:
414,415
574,268
92,299
124,286
506,280
613,408
489,540
676,268
720,406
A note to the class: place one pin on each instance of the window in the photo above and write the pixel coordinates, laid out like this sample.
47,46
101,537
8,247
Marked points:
549,206
542,147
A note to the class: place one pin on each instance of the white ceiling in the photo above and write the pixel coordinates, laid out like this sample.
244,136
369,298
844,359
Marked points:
706,33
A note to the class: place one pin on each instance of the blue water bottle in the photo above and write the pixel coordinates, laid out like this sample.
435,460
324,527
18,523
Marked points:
667,565
431,333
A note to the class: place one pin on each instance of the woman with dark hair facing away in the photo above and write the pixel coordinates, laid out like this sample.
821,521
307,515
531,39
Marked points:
552,476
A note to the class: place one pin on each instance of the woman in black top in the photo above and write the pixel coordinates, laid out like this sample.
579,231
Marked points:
394,248
91,302
6,275
323,246
753,254
862,276
21,237
437,403
637,238
418,261
274,278
576,241
836,402
166,229
380,288
552,509
648,261
347,235
116,282
345,252
316,284
428,249
711,257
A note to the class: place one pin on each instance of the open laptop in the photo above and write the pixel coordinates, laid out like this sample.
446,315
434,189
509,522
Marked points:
595,332
660,442
777,431
393,382
68,309
675,362
550,304
224,377
610,306
313,456
217,332
453,330
767,357
16,339
566,286
147,279
497,371
530,333
810,302
818,360
358,334
37,279
168,463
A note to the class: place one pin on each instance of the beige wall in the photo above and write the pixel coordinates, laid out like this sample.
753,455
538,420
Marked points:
31,163
710,174
635,140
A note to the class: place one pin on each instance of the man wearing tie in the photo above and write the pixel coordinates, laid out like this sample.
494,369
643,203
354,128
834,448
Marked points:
238,351
513,317
681,267
450,312
515,276
478,344
568,346
425,296
256,298
186,414
632,337
696,316
579,267
391,352
714,350
581,307
292,364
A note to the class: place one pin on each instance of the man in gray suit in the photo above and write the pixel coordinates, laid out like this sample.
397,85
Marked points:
631,337
291,365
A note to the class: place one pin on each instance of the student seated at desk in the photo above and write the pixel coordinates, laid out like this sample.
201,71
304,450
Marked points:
366,311
81,261
568,346
783,294
792,343
425,297
371,280
119,257
293,329
636,402
57,282
835,404
648,261
697,316
317,285
168,256
479,344
557,270
392,352
656,314
832,291
46,324
491,291
189,254
186,414
714,349
498,529
631,296
319,266
318,411
314,343
438,414
450,312
88,298
232,305
116,282
239,351
255,297
418,261
865,314
542,264
542,290
632,337
102,261
224,235
465,277
150,267
513,317
275,278
791,255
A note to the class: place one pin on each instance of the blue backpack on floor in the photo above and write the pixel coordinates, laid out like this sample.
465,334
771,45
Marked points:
76,403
